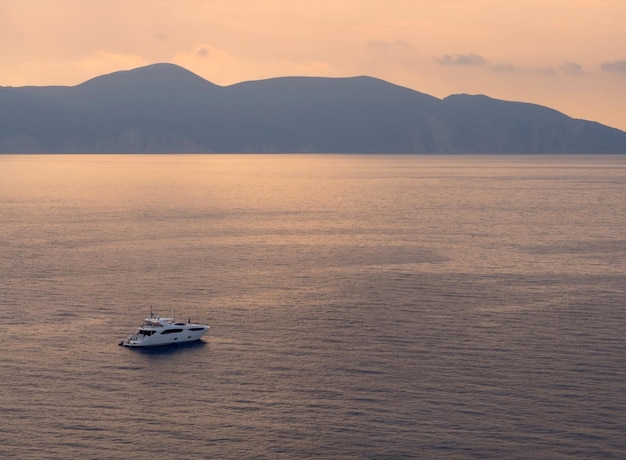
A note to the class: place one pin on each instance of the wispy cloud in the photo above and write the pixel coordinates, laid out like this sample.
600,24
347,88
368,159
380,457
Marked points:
203,52
571,68
614,66
469,59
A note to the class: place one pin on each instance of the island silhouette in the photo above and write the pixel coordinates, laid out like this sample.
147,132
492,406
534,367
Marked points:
164,108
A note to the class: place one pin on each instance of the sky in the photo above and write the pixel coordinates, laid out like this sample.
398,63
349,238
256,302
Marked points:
569,55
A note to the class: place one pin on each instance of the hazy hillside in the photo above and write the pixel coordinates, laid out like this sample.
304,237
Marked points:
165,108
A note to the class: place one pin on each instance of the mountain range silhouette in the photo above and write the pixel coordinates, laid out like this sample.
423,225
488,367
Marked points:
165,108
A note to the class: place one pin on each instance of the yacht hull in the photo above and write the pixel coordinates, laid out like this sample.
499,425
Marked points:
135,341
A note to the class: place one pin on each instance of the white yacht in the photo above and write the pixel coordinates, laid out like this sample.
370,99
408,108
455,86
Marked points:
164,331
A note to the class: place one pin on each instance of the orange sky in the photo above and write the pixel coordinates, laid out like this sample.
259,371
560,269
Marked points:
566,54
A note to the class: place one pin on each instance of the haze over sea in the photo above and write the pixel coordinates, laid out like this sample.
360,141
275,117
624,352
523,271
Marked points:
360,306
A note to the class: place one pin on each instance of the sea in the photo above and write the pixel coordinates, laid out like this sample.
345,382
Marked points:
360,306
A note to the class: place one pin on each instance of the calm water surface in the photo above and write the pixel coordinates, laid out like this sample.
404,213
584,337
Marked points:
360,306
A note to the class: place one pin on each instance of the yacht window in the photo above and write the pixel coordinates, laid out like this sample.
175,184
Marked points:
172,331
196,328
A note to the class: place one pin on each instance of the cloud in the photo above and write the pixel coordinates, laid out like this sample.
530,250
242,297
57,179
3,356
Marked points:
470,59
571,68
204,55
203,52
614,66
